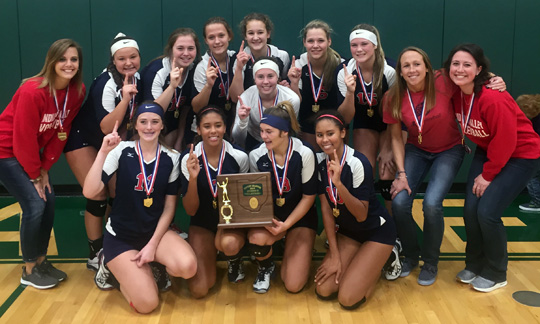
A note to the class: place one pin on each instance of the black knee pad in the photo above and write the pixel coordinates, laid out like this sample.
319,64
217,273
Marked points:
384,186
259,251
354,306
238,255
332,296
96,207
111,200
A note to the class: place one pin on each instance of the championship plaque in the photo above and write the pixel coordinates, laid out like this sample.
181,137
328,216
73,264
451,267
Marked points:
245,200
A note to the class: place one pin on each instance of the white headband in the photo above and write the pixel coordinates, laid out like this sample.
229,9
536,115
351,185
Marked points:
362,33
265,64
123,43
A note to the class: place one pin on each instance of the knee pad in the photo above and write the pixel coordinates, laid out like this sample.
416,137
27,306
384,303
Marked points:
354,306
96,207
332,296
238,255
384,186
259,251
111,200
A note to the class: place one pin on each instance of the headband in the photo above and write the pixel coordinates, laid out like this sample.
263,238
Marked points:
123,43
330,116
208,108
362,33
276,122
265,64
150,107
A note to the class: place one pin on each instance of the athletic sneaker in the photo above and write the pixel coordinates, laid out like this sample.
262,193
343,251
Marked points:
485,285
235,272
392,268
407,266
93,262
38,278
178,231
427,275
262,282
161,276
530,207
48,268
103,277
398,244
465,276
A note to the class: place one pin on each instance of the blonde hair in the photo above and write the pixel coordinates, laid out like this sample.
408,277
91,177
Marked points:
48,71
378,66
285,110
529,104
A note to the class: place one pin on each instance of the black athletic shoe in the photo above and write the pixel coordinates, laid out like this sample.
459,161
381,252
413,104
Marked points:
49,269
235,272
161,276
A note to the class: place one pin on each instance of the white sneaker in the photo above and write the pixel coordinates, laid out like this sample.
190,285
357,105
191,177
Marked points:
262,281
392,269
102,277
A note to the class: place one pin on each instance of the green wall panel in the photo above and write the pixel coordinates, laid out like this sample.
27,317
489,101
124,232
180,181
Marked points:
10,64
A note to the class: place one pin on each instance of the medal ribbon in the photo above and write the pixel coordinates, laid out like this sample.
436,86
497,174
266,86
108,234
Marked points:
213,187
333,191
132,101
281,183
177,98
316,92
465,123
148,187
267,54
420,123
61,114
225,85
261,105
369,97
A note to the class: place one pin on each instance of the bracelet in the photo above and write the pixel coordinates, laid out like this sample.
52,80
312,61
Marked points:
36,180
400,172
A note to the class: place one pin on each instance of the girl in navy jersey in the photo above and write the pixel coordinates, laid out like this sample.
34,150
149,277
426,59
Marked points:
168,80
362,83
113,96
313,76
506,157
256,29
200,167
251,104
366,234
214,73
137,231
33,130
294,186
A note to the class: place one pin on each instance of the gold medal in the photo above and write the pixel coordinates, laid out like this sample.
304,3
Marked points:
228,106
419,138
148,202
280,201
335,212
176,113
370,112
214,203
315,108
62,136
129,126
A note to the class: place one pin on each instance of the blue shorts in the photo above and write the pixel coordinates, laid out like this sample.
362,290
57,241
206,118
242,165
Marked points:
114,246
362,120
385,234
83,135
206,221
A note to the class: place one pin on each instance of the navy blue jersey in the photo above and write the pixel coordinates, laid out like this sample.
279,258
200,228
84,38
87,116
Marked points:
357,177
281,56
301,176
328,98
234,161
155,79
218,96
129,218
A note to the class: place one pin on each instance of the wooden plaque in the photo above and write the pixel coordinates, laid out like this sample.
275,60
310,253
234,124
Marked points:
248,200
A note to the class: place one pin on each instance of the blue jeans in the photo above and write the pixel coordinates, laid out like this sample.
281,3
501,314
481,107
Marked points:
444,167
37,215
533,187
486,251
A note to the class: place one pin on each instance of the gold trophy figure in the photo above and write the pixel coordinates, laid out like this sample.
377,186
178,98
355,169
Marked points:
226,202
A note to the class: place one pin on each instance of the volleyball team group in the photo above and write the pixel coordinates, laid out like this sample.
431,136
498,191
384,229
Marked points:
260,110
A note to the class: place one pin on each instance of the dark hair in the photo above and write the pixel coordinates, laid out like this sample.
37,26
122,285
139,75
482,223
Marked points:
399,88
167,51
332,57
481,61
117,77
54,54
285,110
208,109
218,20
332,115
256,16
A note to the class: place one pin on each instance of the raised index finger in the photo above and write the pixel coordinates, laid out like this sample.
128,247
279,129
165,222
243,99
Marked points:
115,128
345,70
126,79
191,149
209,63
293,61
240,100
335,155
241,47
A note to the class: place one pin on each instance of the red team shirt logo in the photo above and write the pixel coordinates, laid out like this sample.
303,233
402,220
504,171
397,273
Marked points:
286,185
339,200
363,101
140,183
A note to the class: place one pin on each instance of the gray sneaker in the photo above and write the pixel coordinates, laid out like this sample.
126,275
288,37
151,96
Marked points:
465,276
427,275
485,285
49,269
38,279
407,266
